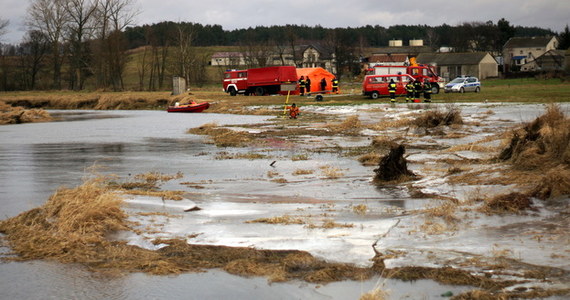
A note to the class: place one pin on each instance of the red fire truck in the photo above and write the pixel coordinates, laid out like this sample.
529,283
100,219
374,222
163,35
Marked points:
417,71
261,81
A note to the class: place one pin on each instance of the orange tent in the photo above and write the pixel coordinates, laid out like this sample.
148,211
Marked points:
316,75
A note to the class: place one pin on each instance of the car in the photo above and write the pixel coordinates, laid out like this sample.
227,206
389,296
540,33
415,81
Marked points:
463,84
375,86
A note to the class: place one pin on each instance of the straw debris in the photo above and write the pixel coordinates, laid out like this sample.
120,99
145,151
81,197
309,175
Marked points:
223,137
19,115
540,144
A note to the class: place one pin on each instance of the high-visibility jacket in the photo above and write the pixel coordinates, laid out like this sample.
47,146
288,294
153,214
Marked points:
335,83
410,87
392,87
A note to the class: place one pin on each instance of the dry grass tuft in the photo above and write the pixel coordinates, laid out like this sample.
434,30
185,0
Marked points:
508,203
350,126
540,144
302,172
70,227
330,172
555,183
376,294
148,182
286,220
19,115
223,137
360,209
370,159
435,118
330,224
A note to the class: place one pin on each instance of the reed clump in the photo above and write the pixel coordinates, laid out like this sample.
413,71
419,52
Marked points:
542,147
435,118
542,143
223,137
19,115
350,126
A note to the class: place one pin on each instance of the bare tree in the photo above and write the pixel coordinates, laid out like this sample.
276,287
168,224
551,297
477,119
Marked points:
112,17
3,27
31,59
80,29
185,56
50,18
142,66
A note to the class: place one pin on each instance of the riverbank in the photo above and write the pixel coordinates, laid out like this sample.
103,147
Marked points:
526,90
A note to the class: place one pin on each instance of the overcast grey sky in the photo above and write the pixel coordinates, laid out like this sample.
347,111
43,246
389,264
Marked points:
553,14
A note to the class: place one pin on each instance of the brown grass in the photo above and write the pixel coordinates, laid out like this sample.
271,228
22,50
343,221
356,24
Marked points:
19,115
350,126
555,183
223,137
303,172
540,144
360,209
435,118
330,172
286,220
508,203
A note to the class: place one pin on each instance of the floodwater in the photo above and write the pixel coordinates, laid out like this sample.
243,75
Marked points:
36,159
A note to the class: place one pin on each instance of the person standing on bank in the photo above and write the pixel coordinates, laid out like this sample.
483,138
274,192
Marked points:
334,83
308,86
392,90
410,91
427,91
418,88
302,85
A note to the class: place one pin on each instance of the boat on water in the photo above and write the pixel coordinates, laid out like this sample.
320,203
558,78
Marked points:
189,108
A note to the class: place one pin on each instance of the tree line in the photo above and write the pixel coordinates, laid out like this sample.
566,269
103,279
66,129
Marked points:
71,41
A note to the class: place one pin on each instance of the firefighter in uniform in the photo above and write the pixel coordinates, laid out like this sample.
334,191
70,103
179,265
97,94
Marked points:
392,90
334,83
308,86
427,91
302,86
418,88
293,111
410,91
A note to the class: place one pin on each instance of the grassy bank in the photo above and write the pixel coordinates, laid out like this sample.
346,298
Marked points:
496,90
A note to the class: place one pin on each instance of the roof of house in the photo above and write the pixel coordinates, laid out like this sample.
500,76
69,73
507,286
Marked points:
553,56
324,51
467,58
409,50
226,54
385,58
528,42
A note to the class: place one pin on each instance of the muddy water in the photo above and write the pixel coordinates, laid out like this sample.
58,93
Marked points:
36,159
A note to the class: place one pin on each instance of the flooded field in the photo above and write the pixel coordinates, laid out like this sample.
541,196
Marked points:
294,185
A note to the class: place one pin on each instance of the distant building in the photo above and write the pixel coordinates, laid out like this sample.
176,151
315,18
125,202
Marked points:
302,56
227,59
388,60
552,60
452,65
395,53
519,51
